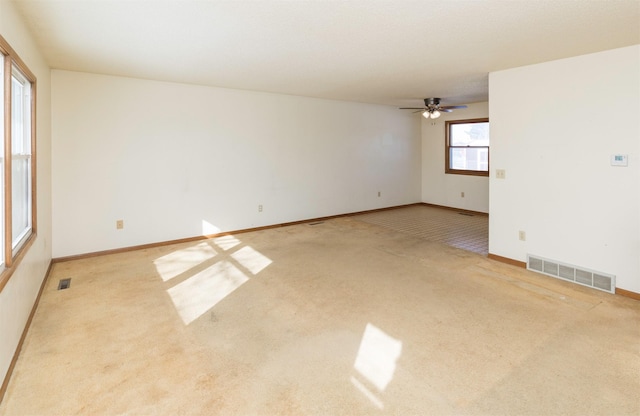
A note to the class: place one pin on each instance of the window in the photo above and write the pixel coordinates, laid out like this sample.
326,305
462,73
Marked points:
17,160
20,157
467,147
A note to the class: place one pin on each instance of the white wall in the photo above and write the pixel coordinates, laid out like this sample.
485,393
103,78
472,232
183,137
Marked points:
445,189
167,158
18,296
554,127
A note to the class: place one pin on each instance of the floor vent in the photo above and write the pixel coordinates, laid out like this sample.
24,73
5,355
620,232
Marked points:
316,223
465,214
576,274
64,284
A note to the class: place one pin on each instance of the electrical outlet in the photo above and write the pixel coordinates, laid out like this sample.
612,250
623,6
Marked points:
461,194
501,174
119,224
522,235
379,193
259,208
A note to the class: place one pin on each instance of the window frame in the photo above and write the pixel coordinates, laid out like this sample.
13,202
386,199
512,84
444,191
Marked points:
21,152
447,149
12,256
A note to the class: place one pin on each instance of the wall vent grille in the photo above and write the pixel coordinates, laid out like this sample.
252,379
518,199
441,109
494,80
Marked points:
576,274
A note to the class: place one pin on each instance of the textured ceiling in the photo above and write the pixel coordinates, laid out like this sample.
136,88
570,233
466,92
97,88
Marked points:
386,52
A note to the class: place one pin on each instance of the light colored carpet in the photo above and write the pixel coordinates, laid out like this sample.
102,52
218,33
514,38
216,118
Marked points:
339,318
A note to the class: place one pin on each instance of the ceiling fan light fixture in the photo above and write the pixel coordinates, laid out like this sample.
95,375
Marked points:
432,108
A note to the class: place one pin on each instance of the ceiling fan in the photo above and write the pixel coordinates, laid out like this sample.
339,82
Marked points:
432,108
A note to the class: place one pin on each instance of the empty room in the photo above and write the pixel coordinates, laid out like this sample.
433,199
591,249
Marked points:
320,207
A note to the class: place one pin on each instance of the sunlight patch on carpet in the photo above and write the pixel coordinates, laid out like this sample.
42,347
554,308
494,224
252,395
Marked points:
202,291
251,259
180,261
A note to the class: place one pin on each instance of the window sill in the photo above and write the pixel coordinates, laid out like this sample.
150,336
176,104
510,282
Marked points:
467,172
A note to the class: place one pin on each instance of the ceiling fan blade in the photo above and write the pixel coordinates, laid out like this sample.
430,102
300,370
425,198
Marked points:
445,110
449,107
411,108
419,111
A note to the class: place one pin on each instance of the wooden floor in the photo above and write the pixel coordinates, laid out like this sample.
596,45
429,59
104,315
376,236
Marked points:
345,317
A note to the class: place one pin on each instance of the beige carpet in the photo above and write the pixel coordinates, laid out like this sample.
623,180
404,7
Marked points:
339,318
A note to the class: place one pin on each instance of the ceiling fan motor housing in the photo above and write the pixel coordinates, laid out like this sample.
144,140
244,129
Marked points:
432,102
432,105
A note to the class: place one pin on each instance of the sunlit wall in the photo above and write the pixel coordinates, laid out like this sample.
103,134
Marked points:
167,158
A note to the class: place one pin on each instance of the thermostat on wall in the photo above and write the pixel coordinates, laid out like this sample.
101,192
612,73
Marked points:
619,160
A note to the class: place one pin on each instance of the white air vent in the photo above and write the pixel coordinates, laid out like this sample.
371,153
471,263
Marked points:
576,274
